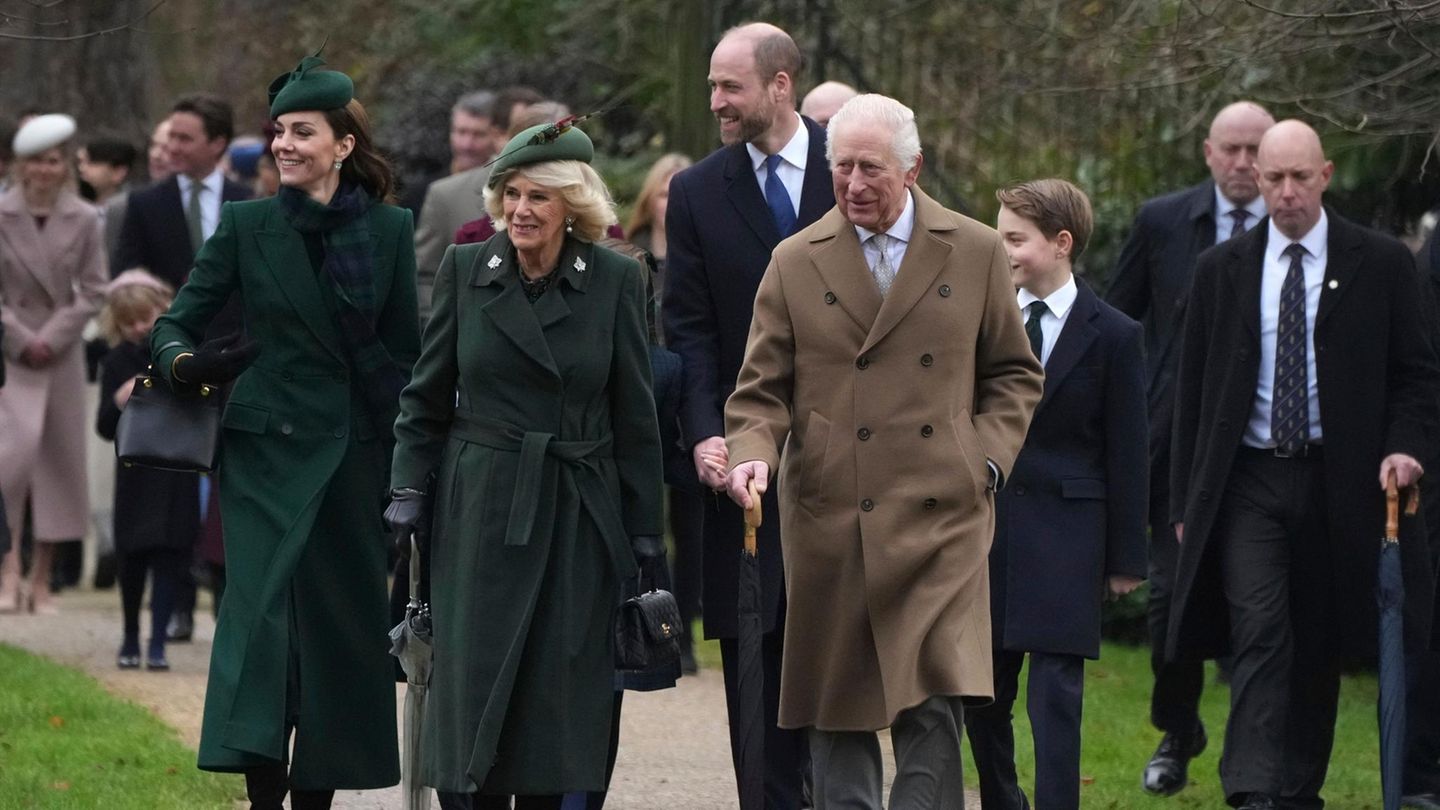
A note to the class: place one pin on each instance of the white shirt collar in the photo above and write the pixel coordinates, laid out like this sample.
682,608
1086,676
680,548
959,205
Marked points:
795,152
1058,302
903,227
211,182
1314,242
1223,206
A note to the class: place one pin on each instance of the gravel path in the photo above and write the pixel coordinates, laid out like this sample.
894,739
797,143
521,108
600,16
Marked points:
674,751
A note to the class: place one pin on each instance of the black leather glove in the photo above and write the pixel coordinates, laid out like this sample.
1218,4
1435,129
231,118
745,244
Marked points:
650,555
216,361
406,509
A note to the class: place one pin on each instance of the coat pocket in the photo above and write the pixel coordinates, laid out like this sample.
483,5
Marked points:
245,418
972,454
1092,488
814,455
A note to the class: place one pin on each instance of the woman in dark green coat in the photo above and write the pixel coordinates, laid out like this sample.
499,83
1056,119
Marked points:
326,276
532,403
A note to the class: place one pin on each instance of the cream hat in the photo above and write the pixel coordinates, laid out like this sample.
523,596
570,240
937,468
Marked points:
43,132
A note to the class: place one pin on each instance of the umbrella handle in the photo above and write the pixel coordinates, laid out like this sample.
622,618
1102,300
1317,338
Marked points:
1392,508
752,519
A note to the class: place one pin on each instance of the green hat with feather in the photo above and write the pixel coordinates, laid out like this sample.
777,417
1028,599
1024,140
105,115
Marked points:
307,88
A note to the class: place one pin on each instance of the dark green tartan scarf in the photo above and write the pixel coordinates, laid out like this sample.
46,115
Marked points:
345,231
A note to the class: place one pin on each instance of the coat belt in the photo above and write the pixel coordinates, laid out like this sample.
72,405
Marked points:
580,460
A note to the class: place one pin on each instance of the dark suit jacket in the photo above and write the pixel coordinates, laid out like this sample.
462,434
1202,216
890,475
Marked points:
1073,510
154,234
1149,284
720,235
1377,380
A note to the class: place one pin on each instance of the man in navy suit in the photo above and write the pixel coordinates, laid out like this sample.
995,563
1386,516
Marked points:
1070,525
166,223
726,214
1149,284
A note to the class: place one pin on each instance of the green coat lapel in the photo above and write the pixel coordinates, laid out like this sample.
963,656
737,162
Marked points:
283,249
514,316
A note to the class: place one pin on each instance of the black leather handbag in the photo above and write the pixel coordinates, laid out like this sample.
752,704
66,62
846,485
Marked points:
168,431
647,631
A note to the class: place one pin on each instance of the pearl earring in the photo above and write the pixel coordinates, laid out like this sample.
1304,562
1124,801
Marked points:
569,224
338,164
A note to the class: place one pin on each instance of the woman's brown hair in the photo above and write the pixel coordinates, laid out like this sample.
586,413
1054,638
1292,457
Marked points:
365,167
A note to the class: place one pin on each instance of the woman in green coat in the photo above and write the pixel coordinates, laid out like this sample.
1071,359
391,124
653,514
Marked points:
326,275
531,402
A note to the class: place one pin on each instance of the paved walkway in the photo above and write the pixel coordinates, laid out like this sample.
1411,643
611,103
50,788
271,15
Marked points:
674,750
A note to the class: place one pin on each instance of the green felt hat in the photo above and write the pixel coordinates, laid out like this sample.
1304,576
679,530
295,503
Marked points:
557,141
306,88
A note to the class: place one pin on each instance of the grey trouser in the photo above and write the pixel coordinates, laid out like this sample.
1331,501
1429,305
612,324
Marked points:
927,762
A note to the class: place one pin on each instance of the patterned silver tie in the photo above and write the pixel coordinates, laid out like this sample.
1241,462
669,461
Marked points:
882,271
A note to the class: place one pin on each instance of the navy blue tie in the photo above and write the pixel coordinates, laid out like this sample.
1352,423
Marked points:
778,199
1290,400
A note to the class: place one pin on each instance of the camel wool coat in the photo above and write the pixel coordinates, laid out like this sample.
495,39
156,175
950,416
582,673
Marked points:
880,415
52,280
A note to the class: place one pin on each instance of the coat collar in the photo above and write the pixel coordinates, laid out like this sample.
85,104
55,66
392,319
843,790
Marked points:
743,190
289,263
1346,251
522,322
1201,202
40,251
1075,339
1247,267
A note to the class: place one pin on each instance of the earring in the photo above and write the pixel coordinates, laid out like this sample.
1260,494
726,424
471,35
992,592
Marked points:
569,224
338,164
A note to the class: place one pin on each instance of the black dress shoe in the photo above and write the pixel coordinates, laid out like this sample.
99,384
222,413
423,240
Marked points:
1168,770
1421,801
1259,801
181,627
129,655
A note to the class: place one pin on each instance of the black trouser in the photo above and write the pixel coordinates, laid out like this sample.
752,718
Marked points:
1275,569
687,526
266,786
787,751
485,801
1175,699
1054,695
165,566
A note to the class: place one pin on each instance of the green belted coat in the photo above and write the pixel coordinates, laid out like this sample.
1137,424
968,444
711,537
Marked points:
302,631
539,421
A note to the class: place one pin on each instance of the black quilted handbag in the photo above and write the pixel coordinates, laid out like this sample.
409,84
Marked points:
165,430
647,631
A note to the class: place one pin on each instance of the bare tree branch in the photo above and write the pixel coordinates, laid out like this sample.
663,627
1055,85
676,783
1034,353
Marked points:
87,34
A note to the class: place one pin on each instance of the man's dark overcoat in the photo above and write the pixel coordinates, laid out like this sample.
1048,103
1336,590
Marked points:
720,238
1377,380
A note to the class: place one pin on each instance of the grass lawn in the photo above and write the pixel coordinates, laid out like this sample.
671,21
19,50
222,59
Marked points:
66,743
1118,738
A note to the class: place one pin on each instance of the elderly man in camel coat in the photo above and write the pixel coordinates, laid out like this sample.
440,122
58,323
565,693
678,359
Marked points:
888,377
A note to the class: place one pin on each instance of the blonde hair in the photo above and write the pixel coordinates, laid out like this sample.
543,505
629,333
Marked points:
655,179
582,193
125,303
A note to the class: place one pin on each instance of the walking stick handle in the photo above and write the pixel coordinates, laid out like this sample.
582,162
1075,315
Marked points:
1392,508
752,519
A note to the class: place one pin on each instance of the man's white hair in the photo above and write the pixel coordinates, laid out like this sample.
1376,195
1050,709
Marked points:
873,108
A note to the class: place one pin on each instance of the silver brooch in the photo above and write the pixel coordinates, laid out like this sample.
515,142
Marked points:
493,263
579,265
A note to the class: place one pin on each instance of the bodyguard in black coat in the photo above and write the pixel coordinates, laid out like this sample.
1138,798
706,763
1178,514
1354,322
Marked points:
1278,554
720,234
1150,282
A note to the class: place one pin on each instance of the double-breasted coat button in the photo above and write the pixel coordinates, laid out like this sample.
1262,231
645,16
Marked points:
1204,494
286,429
1224,423
867,505
930,503
1019,490
863,433
338,433
863,363
286,376
944,290
829,297
927,360
927,431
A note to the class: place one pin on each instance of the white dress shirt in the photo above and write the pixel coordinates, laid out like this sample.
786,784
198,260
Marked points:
1224,223
210,188
1277,264
1057,309
898,242
793,157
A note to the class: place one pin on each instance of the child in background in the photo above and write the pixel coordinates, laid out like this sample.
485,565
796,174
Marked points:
156,515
